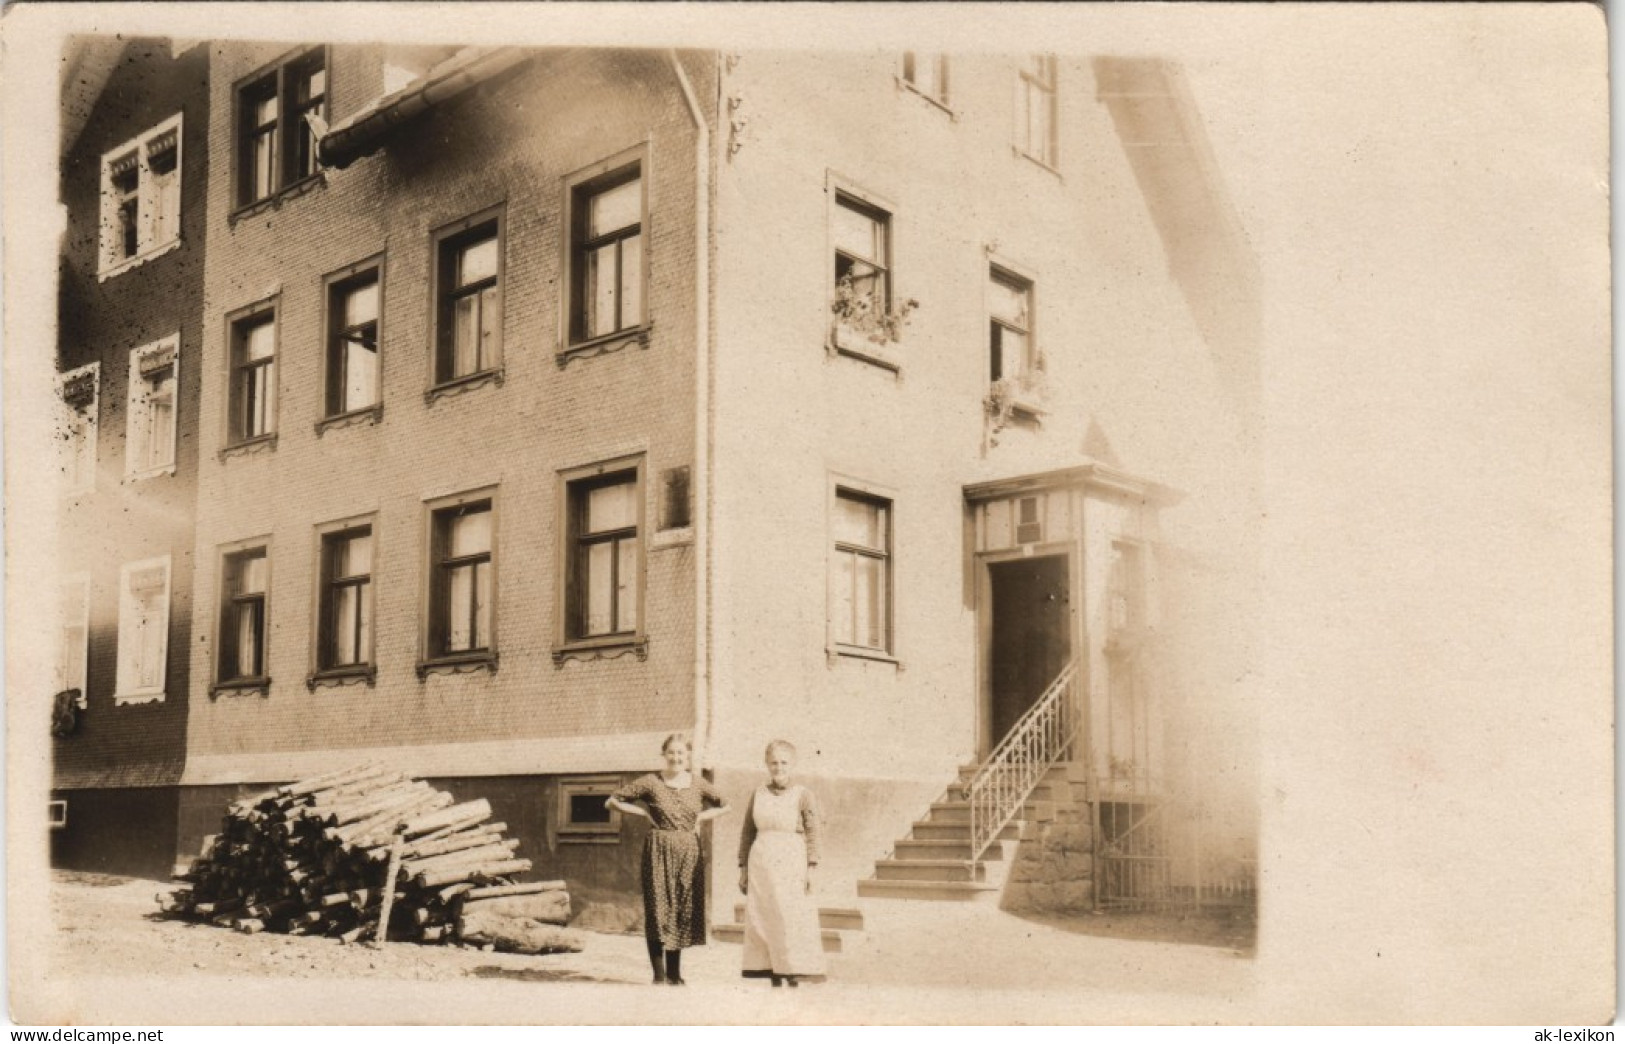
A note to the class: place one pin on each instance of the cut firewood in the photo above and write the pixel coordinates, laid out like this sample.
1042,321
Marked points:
310,858
516,934
546,907
493,891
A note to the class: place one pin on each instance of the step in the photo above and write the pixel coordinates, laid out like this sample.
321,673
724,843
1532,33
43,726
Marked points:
735,933
941,891
838,918
929,870
929,831
910,848
959,811
1043,792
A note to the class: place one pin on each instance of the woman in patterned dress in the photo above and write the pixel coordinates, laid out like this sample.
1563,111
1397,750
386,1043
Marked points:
676,802
778,848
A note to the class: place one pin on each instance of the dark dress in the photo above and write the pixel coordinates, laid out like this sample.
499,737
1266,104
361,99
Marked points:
673,864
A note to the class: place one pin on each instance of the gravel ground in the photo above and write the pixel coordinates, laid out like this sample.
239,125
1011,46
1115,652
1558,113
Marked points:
112,959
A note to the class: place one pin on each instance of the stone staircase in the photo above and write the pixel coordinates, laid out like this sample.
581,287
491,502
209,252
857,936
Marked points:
834,922
934,861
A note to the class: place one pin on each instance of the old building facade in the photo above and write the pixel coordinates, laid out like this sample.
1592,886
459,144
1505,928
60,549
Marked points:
129,358
554,401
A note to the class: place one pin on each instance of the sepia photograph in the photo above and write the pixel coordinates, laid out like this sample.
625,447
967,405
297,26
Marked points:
973,514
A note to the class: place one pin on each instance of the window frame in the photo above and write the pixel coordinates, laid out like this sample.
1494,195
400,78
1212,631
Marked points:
125,689
1026,402
79,657
567,830
908,77
321,670
1045,78
237,323
574,484
227,555
579,187
843,338
81,425
334,285
431,658
279,77
846,487
109,228
138,416
445,242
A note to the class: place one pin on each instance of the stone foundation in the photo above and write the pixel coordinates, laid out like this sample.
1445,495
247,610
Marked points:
1053,868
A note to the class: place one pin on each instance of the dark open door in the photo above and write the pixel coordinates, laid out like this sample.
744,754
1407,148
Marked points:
1031,638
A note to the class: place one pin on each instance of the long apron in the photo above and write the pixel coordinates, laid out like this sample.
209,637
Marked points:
782,935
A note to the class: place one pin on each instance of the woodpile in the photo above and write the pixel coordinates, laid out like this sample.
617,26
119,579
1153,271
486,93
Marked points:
336,854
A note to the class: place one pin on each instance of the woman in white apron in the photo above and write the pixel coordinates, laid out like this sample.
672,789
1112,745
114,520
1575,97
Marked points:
777,851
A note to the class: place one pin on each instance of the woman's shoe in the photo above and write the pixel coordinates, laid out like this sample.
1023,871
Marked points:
790,980
676,982
778,980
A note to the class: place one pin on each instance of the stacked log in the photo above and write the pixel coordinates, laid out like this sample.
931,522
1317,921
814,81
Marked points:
313,858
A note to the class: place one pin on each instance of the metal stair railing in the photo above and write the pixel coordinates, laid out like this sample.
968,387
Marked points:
1030,749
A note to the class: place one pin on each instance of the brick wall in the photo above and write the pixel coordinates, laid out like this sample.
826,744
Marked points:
510,142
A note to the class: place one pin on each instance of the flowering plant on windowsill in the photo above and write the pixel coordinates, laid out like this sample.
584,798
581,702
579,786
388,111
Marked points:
1021,393
859,313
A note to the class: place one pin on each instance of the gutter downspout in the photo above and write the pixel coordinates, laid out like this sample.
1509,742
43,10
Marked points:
702,418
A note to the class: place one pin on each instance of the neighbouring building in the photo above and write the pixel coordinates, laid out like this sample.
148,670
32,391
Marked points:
134,169
901,406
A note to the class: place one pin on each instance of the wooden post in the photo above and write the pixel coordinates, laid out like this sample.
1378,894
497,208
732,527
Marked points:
389,888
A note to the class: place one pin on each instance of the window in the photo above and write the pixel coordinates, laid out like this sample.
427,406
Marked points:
73,636
862,250
244,620
605,586
1010,342
927,72
143,630
461,582
606,271
1035,110
469,300
860,582
77,424
675,502
276,143
253,376
352,343
149,444
57,814
344,638
583,814
141,197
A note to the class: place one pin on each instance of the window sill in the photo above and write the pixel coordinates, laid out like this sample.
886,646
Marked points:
462,663
936,102
1035,161
276,199
241,687
668,538
125,699
585,837
367,415
337,676
138,476
459,385
638,335
137,261
258,444
836,653
844,340
608,648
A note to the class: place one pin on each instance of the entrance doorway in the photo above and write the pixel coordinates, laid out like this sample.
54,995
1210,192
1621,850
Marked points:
1031,635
